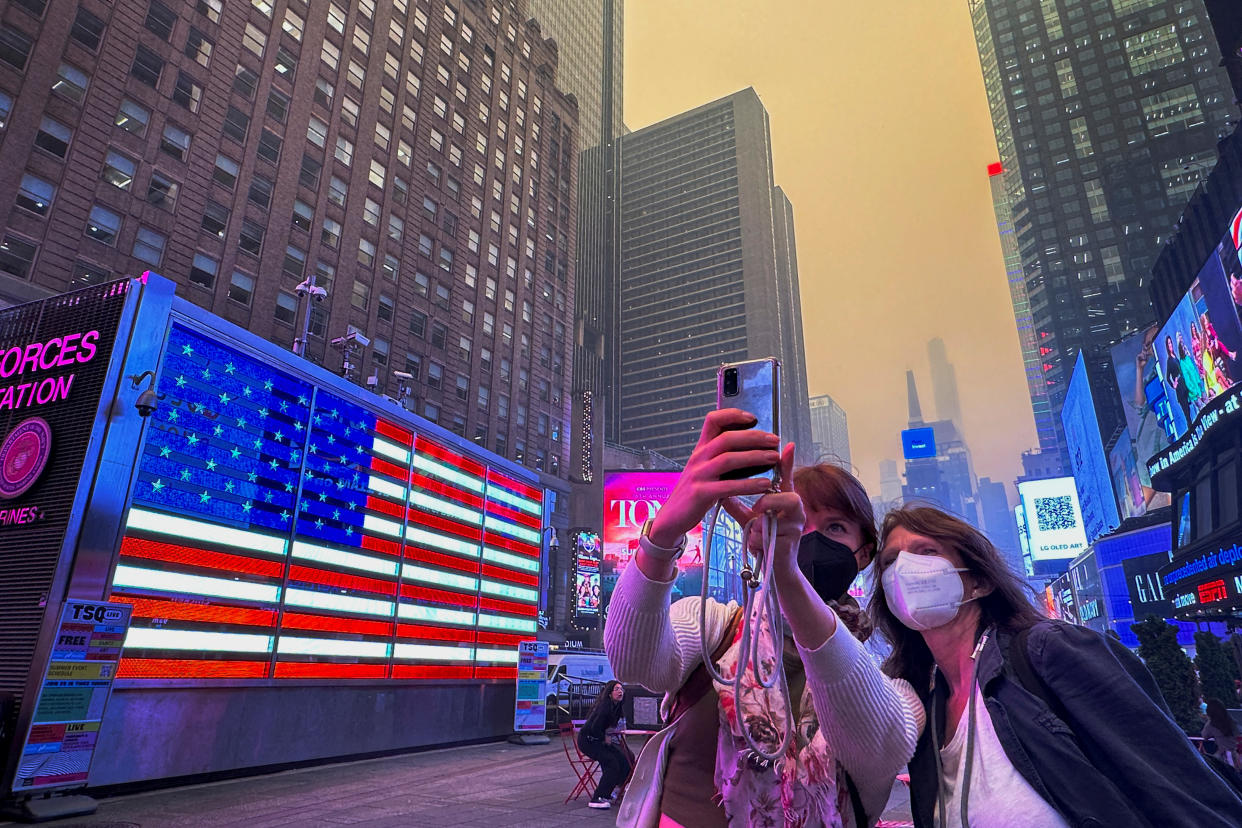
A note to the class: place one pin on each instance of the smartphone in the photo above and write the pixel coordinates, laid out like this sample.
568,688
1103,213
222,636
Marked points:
753,386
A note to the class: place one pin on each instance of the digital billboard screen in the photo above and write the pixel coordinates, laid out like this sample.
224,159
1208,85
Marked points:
282,531
1149,416
1198,350
1054,524
1087,461
918,443
587,596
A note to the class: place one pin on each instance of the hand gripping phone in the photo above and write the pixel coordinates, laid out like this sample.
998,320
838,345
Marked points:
753,386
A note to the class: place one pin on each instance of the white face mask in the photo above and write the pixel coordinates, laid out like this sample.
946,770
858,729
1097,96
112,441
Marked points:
923,591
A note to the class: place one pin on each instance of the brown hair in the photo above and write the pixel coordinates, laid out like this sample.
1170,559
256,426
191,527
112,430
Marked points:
828,486
1006,605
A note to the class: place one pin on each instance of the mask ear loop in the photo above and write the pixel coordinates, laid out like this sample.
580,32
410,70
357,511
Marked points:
748,643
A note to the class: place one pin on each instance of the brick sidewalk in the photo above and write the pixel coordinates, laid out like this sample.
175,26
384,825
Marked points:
496,785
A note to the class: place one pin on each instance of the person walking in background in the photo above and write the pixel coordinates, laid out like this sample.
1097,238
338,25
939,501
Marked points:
594,742
1030,722
1220,728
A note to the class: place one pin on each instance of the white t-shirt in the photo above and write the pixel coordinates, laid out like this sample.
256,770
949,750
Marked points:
1000,797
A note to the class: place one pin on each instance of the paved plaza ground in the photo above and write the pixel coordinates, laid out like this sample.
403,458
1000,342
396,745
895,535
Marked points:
495,785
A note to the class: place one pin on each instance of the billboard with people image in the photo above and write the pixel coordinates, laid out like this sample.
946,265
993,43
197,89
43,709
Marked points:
1197,351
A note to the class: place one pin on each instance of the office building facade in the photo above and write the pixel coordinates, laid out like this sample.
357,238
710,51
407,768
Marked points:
693,295
416,160
1106,117
830,431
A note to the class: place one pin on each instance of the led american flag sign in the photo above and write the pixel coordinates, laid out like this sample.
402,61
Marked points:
279,530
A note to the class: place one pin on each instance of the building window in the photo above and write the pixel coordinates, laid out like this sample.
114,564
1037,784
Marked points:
366,253
245,82
14,47
147,66
331,233
70,82
241,288
236,123
86,273
385,309
162,191
309,175
53,137
251,239
118,170
187,93
175,141
35,194
337,190
269,146
160,20
317,132
303,215
435,374
286,64
260,192
17,256
278,105
439,335
149,246
103,225
255,39
198,47
215,219
418,323
87,29
286,307
295,262
209,9
203,271
360,297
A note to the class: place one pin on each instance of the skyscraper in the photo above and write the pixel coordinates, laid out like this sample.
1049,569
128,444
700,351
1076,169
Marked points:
830,430
1106,117
997,521
944,383
693,295
942,473
388,150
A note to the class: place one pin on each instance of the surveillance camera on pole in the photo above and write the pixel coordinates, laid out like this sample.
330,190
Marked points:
311,292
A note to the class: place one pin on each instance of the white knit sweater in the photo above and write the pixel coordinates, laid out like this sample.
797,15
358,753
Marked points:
871,721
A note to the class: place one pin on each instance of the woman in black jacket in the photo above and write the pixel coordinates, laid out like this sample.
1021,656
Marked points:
1028,721
593,741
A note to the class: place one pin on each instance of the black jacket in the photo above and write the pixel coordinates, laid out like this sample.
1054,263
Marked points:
599,720
1116,759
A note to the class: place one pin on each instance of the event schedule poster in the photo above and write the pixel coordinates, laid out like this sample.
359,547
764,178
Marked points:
530,711
75,690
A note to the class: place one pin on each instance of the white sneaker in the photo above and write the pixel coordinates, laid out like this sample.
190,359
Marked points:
599,803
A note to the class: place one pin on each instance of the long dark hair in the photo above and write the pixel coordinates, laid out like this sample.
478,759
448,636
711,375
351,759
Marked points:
1219,717
1007,604
826,485
603,702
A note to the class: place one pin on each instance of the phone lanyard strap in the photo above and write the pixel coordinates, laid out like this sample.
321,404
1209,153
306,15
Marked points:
754,615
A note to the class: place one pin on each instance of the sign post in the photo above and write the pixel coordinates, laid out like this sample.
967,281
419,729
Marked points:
60,743
530,708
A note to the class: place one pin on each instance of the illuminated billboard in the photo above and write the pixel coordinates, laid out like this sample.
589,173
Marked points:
1054,526
1088,465
281,531
1149,416
918,443
587,595
630,499
1198,350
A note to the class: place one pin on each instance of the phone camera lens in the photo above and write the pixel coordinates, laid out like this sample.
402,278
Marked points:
730,382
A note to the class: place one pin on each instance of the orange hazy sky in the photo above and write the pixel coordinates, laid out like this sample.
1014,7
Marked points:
881,138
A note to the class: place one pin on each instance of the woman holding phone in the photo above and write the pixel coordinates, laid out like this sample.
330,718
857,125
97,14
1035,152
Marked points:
853,730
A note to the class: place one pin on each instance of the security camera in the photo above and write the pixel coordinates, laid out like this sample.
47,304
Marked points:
146,403
307,287
373,381
404,376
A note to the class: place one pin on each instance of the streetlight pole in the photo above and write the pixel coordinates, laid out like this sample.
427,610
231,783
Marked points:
311,292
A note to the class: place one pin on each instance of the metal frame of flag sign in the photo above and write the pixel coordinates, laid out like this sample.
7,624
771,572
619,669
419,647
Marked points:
280,530
530,706
69,709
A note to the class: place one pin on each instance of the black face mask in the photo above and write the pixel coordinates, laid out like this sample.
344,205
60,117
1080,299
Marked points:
829,565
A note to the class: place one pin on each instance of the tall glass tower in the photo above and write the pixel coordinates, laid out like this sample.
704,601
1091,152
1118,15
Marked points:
1107,114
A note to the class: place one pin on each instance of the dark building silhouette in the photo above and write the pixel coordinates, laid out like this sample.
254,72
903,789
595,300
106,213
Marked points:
416,159
1106,116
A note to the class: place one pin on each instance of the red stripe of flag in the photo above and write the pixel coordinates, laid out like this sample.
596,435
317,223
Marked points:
524,578
429,633
433,671
426,520
381,545
394,432
190,668
437,487
424,446
520,547
340,579
437,596
430,556
392,470
379,504
502,639
205,613
497,605
495,672
516,486
189,556
308,621
501,510
304,669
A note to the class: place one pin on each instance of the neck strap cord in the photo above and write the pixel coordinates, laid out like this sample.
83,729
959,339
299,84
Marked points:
760,610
